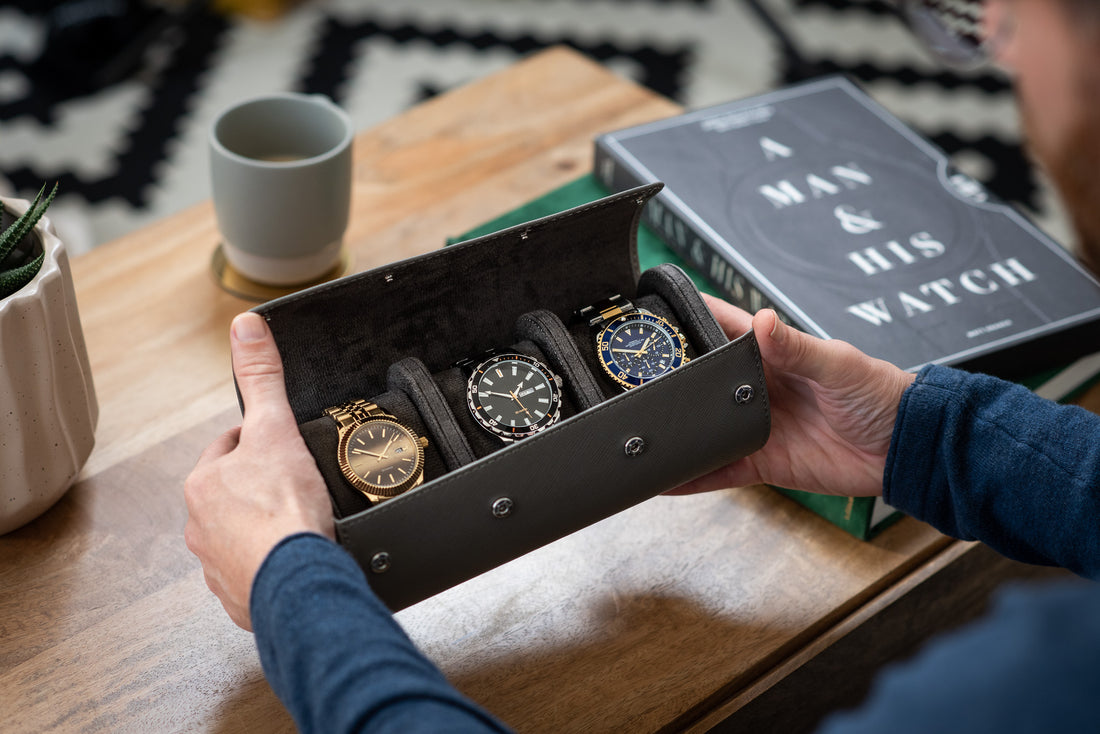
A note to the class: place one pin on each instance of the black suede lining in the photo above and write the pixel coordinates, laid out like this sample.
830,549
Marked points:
393,335
411,376
677,290
548,331
338,339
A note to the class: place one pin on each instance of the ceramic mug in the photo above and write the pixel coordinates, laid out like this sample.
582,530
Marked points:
280,168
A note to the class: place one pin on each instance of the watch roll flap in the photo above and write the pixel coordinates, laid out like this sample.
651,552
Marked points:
676,289
410,376
451,303
321,437
638,444
545,329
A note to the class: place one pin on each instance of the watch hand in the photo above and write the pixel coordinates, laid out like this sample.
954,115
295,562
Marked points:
628,351
521,408
386,450
368,453
501,395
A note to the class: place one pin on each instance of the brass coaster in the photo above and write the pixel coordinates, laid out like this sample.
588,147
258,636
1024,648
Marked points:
231,280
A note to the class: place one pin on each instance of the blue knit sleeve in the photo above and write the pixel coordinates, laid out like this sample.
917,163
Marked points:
1029,667
984,459
336,657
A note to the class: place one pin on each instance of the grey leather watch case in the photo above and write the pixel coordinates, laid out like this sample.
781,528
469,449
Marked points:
393,335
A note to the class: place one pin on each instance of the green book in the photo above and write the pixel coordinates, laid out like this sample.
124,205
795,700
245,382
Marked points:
860,516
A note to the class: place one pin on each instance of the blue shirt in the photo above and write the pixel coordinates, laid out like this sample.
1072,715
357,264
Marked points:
978,458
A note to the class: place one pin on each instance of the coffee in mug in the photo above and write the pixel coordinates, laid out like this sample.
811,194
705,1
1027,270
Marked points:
280,169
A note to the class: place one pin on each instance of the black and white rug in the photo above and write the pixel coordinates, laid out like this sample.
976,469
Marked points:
135,150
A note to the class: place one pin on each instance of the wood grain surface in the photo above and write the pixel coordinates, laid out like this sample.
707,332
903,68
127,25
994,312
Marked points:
646,621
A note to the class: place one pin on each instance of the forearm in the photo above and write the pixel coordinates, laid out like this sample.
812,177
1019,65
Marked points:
983,459
336,657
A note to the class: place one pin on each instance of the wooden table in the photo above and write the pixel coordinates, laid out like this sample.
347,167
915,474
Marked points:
677,614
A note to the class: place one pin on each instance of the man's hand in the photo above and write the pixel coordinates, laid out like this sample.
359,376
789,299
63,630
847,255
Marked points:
257,483
833,410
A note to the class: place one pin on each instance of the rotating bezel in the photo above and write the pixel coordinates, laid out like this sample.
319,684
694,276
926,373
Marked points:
499,428
610,363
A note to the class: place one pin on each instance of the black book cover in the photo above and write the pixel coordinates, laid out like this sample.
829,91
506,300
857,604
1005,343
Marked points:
818,202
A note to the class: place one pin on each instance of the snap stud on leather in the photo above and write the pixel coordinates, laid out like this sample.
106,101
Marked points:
380,562
503,507
743,394
634,446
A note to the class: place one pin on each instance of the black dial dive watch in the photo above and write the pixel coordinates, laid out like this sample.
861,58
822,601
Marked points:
512,395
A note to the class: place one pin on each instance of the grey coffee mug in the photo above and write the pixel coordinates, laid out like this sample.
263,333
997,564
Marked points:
280,170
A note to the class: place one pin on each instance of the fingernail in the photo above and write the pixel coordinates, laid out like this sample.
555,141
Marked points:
777,330
249,327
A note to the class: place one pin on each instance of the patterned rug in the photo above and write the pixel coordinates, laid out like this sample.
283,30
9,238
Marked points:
113,99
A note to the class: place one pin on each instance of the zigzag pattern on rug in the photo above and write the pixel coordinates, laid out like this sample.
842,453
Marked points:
132,151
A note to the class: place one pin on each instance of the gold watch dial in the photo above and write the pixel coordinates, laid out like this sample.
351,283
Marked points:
381,457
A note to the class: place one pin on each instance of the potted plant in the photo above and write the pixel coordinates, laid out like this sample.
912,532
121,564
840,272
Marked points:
48,409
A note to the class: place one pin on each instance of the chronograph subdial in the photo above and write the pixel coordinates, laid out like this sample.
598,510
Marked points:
513,395
634,345
639,346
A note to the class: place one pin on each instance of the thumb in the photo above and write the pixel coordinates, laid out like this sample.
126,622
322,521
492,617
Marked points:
258,368
823,361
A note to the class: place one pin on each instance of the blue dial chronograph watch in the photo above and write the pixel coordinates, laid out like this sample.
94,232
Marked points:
634,345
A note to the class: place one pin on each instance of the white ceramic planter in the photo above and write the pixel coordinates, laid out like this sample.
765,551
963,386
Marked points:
48,409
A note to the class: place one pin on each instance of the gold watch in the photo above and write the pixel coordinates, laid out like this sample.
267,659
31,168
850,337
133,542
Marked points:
377,455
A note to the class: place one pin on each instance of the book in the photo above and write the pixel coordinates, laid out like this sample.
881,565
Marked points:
816,201
862,517
859,516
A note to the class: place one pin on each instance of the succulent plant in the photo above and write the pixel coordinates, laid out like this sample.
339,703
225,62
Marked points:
21,256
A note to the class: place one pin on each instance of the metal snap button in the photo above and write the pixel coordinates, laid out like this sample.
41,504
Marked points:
743,394
634,446
503,507
380,562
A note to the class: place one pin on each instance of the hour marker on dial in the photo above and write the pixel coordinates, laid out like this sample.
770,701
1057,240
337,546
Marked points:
504,404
